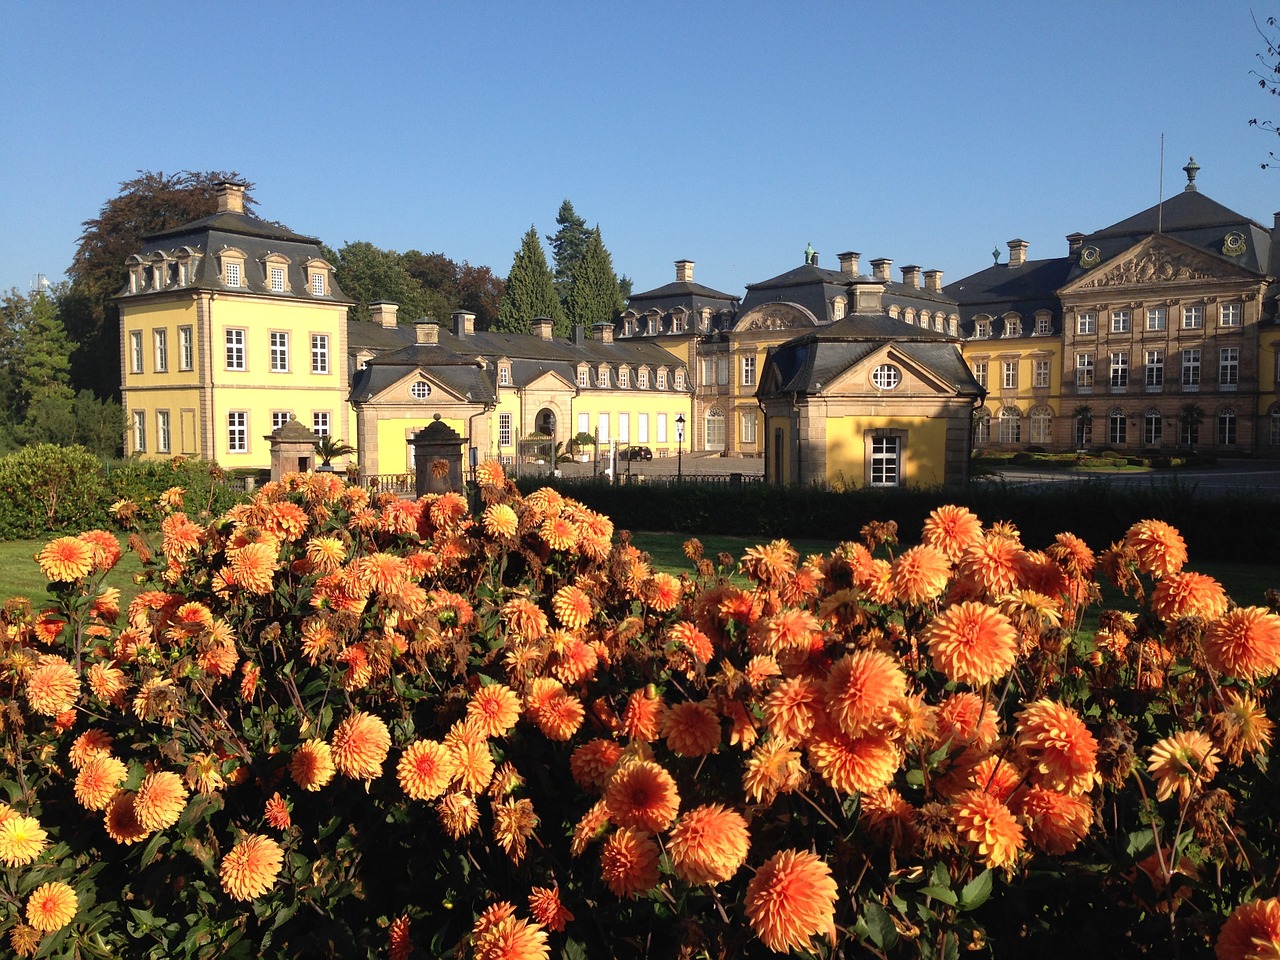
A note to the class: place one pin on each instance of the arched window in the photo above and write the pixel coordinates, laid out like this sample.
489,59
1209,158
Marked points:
1152,428
1226,427
1117,428
1042,425
1010,425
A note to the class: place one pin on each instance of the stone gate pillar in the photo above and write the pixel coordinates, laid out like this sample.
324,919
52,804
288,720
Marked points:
437,459
293,449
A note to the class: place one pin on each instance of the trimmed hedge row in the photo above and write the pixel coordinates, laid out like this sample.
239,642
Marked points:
48,488
1242,526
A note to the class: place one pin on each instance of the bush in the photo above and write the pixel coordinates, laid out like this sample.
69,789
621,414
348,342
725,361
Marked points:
48,487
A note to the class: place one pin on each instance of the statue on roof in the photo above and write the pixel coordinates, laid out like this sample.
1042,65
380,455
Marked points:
809,253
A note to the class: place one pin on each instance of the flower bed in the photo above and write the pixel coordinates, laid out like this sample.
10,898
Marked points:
337,726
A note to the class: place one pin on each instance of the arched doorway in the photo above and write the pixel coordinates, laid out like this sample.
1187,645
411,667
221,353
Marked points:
545,423
714,435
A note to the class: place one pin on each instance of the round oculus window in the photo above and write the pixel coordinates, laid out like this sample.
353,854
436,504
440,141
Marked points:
886,376
420,390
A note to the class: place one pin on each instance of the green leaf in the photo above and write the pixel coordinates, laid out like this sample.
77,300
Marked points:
573,950
940,893
976,891
151,850
879,924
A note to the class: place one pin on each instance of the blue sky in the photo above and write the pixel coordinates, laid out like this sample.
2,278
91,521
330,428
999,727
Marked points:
732,134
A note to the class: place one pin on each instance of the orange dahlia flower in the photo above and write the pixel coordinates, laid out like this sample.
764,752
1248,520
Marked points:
512,939
360,745
1252,932
1182,763
972,643
425,769
771,564
693,640
1241,727
791,898
953,530
524,620
1159,547
854,764
312,765
90,744
792,708
773,768
546,908
399,946
994,564
496,708
791,629
1187,594
642,718
51,906
920,574
708,844
572,607
560,716
276,812
1056,821
98,780
642,794
988,827
52,687
458,814
121,821
861,688
1058,745
593,763
473,765
251,868
1244,643
160,800
691,729
490,474
66,559
254,565
513,824
629,862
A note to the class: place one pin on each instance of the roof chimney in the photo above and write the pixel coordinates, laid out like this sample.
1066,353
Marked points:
543,327
869,297
849,263
426,331
1075,240
602,331
933,281
684,271
579,334
880,269
911,276
230,196
1277,220
383,313
464,323
1018,252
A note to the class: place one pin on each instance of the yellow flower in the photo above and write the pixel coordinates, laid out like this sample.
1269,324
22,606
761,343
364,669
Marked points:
251,868
21,840
51,906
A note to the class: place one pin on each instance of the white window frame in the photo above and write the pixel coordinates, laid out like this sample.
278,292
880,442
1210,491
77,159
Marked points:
749,370
164,435
1041,420
1085,369
1117,428
504,375
602,428
1227,423
642,380
1193,317
1152,429
135,351
1009,425
1119,367
679,379
1041,373
886,376
1086,322
161,337
237,431
624,378
662,379
140,431
277,279
321,423
317,283
602,377
584,377
749,425
980,373
624,428
234,273
1009,374
186,348
1157,318
504,430
279,343
642,428
1191,368
1044,325
981,330
319,353
584,423
662,428
1229,368
885,459
235,349
1231,314
1120,320
1153,369
279,418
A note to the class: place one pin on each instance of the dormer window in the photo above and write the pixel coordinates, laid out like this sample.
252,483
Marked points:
1044,324
157,276
504,374
317,284
662,379
653,326
584,377
232,274
677,323
232,263
838,306
317,275
642,379
679,379
982,328
624,378
895,311
602,377
1012,326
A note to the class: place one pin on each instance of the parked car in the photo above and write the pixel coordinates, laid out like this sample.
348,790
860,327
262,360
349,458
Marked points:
635,453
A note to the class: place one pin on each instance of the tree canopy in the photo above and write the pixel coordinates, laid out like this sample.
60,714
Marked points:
530,291
595,296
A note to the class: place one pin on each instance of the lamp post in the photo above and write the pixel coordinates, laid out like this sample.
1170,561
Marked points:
679,446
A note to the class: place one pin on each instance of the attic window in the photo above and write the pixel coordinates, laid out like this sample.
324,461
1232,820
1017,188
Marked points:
277,279
886,376
504,375
420,390
233,274
317,283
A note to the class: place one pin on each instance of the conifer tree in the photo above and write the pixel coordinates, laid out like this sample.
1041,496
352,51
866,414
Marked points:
568,244
595,296
530,292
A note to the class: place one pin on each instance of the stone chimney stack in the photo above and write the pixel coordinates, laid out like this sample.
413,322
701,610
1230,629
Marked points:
880,269
542,327
579,334
464,323
230,196
383,313
602,332
933,281
1076,240
1277,220
684,271
426,332
911,276
869,297
849,263
1018,252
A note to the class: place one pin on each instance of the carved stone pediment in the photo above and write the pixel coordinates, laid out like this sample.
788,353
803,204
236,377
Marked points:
1157,261
775,316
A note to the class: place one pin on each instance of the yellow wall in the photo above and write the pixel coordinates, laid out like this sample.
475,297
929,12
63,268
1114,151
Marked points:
592,403
393,439
923,459
508,402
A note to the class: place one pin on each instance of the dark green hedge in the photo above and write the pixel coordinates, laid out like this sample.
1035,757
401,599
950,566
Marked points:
1241,526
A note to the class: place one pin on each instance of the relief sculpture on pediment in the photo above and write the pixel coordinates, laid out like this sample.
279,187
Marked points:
775,316
772,321
1153,266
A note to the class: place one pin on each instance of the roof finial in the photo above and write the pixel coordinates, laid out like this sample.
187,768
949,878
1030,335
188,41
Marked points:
808,253
1191,169
995,254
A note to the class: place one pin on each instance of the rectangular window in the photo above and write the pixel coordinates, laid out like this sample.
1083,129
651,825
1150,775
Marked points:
139,431
162,431
679,379
135,351
233,274
1119,370
317,284
319,353
162,350
1229,368
662,428
279,351
1231,314
1086,323
602,378
1153,429
237,432
642,428
584,423
1009,375
1040,373
1154,367
320,423
1044,325
235,350
504,375
749,426
624,428
584,377
980,373
748,371
1117,429
1189,429
1119,321
624,378
279,418
884,461
1227,428
642,379
1084,369
1191,368
602,428
1156,318
1193,317
662,379
504,429
277,279
982,329
722,372
186,348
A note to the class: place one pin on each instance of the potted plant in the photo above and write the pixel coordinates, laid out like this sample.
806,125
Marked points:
329,448
581,441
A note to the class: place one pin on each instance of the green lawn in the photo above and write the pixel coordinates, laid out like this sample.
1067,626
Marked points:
20,575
